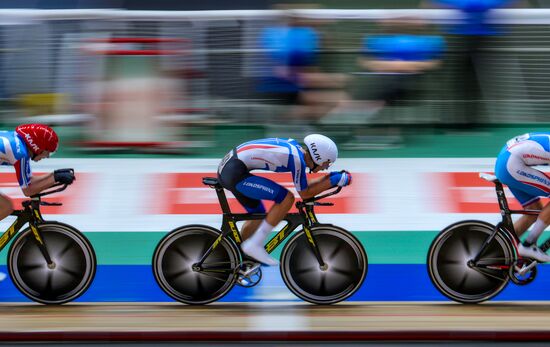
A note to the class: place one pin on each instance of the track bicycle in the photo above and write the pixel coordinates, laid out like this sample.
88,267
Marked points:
49,262
472,261
321,263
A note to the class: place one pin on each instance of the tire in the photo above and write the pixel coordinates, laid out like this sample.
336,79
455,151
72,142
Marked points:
73,256
341,251
448,262
179,250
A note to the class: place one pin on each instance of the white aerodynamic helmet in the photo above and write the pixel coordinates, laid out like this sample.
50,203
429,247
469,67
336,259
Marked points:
321,149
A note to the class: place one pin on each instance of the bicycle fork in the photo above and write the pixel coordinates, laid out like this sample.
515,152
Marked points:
311,219
322,265
40,240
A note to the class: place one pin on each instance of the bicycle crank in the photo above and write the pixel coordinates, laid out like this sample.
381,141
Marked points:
250,274
522,273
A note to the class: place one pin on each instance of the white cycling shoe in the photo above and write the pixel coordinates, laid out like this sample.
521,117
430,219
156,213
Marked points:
258,252
533,252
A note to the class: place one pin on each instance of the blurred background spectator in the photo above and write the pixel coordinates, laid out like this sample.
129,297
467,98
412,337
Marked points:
394,61
229,76
292,75
471,35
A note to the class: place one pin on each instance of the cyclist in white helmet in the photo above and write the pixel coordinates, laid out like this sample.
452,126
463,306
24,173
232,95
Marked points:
278,155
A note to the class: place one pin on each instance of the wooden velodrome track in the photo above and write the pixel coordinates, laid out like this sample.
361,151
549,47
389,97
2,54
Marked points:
276,322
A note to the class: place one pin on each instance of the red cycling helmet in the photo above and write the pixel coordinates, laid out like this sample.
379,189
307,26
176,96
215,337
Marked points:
39,137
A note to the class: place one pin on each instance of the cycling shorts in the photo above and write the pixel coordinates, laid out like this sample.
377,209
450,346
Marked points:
248,189
526,183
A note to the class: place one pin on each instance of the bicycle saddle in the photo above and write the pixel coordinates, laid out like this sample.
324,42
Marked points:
488,177
211,181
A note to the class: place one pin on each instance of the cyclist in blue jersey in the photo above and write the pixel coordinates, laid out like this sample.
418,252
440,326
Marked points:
278,155
514,167
29,142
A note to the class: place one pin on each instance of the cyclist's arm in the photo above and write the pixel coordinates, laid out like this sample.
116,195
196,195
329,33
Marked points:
38,184
315,186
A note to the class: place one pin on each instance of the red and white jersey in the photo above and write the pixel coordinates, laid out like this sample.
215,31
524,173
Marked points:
532,148
277,155
13,151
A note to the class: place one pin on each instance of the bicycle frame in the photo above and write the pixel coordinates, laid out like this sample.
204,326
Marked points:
506,226
305,216
30,214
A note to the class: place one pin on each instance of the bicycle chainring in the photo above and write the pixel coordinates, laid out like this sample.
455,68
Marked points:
523,272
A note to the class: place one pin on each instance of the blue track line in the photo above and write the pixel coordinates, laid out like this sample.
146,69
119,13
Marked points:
135,283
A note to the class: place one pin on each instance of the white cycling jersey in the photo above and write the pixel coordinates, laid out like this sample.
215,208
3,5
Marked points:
13,151
275,154
532,148
514,166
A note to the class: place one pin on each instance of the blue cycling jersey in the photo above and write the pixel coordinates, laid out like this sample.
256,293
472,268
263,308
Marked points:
514,166
275,154
13,151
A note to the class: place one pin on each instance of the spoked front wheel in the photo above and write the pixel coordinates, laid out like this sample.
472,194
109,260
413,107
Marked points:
344,271
451,266
174,265
71,272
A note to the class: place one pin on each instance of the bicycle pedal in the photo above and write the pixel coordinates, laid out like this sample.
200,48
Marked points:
525,268
522,273
250,274
243,282
249,269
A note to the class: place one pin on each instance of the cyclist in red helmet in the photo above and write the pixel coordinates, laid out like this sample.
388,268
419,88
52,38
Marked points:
29,142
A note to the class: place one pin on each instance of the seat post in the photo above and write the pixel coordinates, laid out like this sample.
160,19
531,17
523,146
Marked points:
214,183
223,199
503,204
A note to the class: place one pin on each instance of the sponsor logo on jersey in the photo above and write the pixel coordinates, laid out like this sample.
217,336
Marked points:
533,177
533,156
259,186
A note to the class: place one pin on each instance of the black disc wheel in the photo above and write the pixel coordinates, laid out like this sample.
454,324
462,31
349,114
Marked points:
451,267
343,273
71,272
177,254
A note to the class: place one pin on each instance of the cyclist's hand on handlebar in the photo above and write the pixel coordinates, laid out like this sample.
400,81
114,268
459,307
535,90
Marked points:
64,176
340,178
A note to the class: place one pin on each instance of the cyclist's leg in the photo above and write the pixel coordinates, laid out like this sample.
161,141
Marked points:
524,222
533,184
231,172
251,206
276,214
249,190
249,227
279,210
255,187
6,206
527,185
261,188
